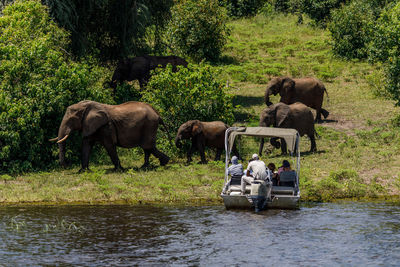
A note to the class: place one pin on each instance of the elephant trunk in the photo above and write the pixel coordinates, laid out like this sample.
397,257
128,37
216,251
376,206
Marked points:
178,141
266,97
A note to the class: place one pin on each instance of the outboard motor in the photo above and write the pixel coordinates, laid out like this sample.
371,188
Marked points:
260,194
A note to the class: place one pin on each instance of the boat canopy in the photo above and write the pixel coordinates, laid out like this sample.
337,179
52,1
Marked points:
290,135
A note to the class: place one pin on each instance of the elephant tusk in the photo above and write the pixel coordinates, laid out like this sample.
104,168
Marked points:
62,140
53,139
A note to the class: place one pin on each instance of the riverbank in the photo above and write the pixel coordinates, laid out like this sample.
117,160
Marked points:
357,149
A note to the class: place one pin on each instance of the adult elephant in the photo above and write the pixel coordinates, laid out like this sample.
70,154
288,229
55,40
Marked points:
203,134
308,91
138,68
127,125
296,116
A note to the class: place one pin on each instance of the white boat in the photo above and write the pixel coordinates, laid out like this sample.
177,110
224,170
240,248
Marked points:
261,195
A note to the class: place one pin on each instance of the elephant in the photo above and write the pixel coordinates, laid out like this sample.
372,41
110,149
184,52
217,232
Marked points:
202,134
127,125
138,68
296,116
308,91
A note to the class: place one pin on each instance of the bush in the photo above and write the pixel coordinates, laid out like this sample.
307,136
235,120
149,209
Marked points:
320,10
242,8
384,48
198,29
189,94
38,82
351,29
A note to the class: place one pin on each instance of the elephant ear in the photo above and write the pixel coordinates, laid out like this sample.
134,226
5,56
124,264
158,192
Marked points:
282,113
197,128
93,119
288,84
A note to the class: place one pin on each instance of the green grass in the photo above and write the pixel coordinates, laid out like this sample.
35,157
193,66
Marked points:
357,150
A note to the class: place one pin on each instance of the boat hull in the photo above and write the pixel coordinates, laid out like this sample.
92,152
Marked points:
278,202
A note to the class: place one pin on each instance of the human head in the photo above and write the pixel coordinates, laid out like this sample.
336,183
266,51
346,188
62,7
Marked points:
285,164
234,160
255,157
271,166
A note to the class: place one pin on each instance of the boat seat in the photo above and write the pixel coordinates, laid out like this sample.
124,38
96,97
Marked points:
235,180
283,190
287,178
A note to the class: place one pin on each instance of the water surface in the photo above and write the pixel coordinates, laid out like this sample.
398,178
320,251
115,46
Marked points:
350,234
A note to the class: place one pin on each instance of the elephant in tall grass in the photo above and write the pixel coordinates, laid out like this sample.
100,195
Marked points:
127,125
138,68
296,116
309,91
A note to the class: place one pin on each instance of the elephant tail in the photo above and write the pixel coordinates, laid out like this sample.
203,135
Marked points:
326,91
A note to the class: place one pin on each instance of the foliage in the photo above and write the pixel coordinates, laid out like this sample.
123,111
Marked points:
38,82
351,29
198,29
320,10
384,48
110,29
192,93
242,8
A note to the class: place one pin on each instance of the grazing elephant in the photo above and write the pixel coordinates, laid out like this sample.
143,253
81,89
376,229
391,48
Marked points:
139,68
127,125
296,116
308,91
210,134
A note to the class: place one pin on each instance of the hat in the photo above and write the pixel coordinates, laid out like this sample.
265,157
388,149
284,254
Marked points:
234,160
255,156
285,164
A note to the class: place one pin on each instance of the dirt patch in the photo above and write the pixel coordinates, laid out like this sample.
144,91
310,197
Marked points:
343,125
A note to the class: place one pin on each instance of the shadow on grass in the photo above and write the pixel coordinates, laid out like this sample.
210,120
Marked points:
247,101
225,60
326,121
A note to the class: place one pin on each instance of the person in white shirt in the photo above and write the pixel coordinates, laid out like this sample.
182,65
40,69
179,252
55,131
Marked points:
256,170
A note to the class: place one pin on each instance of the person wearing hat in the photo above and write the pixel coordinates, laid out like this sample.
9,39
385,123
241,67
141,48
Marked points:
256,170
236,169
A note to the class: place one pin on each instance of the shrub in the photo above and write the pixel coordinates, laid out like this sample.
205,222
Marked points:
384,48
242,8
38,81
189,94
320,10
351,29
198,29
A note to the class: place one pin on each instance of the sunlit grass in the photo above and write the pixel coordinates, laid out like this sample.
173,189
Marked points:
358,150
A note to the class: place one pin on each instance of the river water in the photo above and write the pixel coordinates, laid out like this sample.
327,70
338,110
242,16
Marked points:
346,234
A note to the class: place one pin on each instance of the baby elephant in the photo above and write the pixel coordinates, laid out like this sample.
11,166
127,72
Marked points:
210,134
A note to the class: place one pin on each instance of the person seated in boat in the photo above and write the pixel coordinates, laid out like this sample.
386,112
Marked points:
287,176
256,170
235,171
273,174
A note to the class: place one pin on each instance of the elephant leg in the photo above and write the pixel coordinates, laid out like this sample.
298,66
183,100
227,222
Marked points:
190,152
112,152
283,146
318,117
325,113
236,152
218,155
313,144
87,145
146,163
201,148
161,156
261,146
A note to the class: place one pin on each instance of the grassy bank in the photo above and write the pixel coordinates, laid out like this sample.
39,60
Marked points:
357,150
